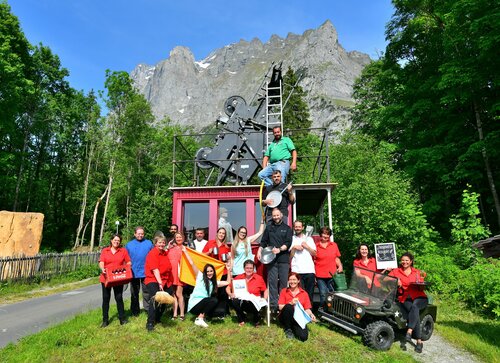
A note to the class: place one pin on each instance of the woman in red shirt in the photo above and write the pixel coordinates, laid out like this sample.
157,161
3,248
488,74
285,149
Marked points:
174,255
326,263
286,304
255,286
113,255
411,297
364,260
158,272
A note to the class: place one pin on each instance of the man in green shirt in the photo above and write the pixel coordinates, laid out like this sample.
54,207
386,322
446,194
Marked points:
280,155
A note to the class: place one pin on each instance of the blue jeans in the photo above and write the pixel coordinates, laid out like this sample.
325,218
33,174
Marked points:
283,166
325,286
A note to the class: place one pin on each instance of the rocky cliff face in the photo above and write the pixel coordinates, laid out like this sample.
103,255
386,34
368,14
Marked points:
193,92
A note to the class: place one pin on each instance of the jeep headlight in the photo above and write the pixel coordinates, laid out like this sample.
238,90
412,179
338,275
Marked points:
359,312
329,298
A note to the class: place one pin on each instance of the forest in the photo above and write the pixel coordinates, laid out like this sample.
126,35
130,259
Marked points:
419,166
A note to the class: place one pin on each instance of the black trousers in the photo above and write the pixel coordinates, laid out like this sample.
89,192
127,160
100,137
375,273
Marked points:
412,308
205,306
222,307
135,287
241,307
106,297
155,310
307,282
288,322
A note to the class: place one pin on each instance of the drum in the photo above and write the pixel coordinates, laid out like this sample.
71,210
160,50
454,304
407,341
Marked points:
276,196
267,256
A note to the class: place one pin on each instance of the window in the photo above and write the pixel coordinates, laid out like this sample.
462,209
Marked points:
232,215
195,216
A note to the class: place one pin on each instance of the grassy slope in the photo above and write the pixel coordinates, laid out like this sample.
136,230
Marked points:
466,330
15,292
81,340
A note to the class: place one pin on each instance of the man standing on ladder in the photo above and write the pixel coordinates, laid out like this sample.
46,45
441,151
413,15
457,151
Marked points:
280,155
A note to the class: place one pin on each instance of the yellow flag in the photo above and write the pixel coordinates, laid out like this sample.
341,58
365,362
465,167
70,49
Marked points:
187,275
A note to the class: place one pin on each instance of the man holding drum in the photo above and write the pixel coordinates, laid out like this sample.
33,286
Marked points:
278,195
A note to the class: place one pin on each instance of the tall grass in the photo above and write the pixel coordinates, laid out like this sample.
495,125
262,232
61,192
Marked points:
81,340
13,291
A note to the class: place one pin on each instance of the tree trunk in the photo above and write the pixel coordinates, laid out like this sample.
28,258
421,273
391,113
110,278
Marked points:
20,174
489,173
84,201
127,218
109,187
82,240
94,218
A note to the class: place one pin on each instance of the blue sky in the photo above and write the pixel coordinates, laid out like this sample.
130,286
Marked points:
91,36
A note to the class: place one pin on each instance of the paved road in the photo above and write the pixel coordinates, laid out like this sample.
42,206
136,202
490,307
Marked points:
31,316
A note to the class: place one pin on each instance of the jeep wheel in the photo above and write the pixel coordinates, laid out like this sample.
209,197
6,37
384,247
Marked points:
427,327
379,335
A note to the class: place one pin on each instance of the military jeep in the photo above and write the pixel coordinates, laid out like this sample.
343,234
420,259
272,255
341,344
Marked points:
369,307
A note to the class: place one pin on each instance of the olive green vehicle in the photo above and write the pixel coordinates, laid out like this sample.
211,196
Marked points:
369,307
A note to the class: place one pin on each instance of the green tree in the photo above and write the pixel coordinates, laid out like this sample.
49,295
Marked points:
373,203
435,95
467,229
295,112
15,85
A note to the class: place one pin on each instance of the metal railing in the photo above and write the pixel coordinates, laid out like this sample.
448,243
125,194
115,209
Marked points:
44,265
313,167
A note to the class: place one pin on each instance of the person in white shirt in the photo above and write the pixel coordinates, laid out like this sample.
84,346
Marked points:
302,251
200,240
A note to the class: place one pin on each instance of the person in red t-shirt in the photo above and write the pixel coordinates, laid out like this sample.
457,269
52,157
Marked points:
174,255
255,285
286,304
113,255
217,248
158,270
327,263
411,297
364,260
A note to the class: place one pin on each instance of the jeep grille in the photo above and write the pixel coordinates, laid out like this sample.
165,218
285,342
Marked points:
344,308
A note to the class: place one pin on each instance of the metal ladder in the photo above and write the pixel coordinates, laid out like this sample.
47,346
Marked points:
274,108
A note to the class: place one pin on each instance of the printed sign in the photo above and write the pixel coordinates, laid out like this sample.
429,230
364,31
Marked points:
240,288
385,255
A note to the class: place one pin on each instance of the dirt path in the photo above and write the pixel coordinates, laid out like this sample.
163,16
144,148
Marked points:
438,350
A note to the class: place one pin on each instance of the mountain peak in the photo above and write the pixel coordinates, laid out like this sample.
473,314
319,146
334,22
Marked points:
193,93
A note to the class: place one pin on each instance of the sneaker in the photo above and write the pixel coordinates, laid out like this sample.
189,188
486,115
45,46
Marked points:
150,327
289,334
408,337
419,347
181,318
200,322
104,324
242,323
123,321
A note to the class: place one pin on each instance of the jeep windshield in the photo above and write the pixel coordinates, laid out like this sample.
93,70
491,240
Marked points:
374,284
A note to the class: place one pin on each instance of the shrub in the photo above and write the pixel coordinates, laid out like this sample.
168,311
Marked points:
480,286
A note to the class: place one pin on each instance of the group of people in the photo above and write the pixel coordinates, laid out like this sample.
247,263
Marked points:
297,266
